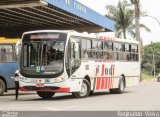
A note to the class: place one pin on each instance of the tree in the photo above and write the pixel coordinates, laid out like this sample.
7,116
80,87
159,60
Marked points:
123,15
147,58
137,18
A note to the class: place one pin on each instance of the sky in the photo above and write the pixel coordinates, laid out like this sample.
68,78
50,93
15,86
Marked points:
152,7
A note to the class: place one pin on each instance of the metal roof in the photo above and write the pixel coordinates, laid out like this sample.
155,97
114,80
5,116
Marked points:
18,16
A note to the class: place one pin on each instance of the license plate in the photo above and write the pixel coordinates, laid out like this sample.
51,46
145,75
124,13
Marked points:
39,85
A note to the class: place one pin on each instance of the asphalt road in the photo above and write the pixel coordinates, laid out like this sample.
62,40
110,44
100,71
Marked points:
144,97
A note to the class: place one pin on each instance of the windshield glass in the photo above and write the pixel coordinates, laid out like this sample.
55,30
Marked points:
43,54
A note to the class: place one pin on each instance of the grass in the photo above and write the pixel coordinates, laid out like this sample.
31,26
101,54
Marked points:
146,76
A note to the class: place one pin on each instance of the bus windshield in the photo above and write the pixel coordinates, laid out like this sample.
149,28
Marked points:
43,54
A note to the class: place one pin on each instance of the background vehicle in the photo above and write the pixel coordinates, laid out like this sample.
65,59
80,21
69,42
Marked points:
158,77
8,63
67,61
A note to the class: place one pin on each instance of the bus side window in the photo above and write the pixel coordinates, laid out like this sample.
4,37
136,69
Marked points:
116,51
6,52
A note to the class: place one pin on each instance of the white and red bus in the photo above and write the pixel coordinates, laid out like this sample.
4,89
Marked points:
67,61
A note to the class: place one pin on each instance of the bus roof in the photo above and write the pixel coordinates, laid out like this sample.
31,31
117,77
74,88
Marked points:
85,34
4,40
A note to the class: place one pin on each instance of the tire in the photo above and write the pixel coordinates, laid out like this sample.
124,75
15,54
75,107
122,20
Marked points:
85,90
112,91
120,88
91,92
46,95
2,87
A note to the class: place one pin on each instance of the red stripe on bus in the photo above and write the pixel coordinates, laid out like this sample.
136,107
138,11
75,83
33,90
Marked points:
58,90
102,83
106,81
109,85
98,83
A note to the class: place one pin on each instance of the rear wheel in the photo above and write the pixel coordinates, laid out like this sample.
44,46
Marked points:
85,90
2,87
112,91
46,95
120,88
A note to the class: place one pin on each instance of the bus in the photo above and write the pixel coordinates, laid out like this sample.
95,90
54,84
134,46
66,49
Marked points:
8,62
67,61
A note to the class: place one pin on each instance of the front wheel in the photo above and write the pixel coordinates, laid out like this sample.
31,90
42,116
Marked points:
2,87
85,90
46,95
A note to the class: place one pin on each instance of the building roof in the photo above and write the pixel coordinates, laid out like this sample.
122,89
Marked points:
18,16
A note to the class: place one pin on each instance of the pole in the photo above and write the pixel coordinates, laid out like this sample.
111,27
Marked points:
154,67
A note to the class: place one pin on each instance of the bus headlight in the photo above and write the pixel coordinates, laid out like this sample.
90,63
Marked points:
23,79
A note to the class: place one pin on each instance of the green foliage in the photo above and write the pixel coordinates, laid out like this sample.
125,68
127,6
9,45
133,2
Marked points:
150,51
123,15
146,76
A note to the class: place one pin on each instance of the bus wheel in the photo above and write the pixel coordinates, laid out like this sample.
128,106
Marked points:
91,92
112,91
2,87
46,95
85,90
121,86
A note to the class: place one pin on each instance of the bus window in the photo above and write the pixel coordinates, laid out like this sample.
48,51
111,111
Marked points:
86,48
6,53
89,44
94,44
100,45
116,47
108,46
84,44
126,47
122,47
108,55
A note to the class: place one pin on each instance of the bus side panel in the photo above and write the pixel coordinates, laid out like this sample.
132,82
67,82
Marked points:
131,71
7,70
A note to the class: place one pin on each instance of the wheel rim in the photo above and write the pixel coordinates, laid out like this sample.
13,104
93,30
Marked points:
122,86
84,89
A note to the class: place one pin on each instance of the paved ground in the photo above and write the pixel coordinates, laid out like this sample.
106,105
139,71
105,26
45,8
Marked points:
145,96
